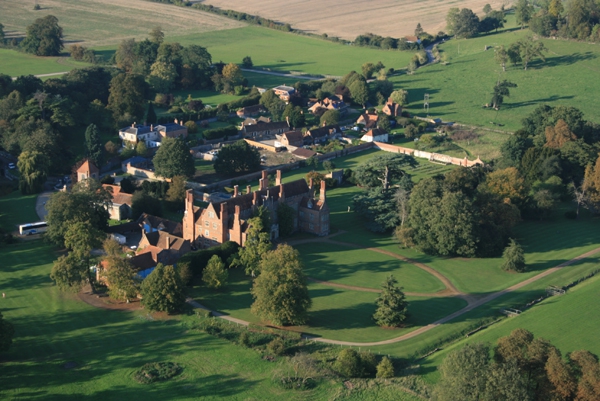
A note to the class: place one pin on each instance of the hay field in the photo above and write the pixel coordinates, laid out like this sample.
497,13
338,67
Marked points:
105,22
350,18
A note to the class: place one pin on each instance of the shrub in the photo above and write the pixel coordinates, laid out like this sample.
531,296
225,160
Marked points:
277,346
348,363
217,133
368,363
385,369
244,339
157,371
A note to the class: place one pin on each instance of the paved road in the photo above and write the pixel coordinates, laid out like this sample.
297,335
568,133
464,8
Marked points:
40,205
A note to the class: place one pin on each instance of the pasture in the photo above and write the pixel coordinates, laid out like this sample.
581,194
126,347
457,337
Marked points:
350,18
107,22
14,63
17,209
458,91
106,347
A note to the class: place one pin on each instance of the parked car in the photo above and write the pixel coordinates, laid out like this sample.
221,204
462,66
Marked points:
58,185
12,166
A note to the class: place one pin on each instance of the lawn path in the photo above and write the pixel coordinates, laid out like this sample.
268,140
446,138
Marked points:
472,303
450,289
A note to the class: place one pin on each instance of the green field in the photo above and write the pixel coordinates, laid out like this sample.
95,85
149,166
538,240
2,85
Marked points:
15,63
17,209
460,89
357,267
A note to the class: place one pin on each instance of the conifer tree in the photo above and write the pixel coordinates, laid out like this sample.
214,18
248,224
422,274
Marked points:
391,304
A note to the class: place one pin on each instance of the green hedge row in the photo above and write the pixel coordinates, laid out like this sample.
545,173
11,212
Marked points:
197,260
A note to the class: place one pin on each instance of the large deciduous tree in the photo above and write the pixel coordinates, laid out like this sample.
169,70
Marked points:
257,244
392,307
215,274
239,157
529,50
123,282
163,290
162,76
500,91
128,93
174,158
44,37
33,170
280,292
523,12
87,201
465,24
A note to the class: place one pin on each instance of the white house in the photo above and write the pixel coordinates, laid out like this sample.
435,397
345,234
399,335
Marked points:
375,135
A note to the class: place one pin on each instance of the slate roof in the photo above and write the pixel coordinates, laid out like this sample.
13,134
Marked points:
290,189
118,197
293,136
324,131
137,129
159,239
265,127
135,160
142,261
161,224
303,153
169,127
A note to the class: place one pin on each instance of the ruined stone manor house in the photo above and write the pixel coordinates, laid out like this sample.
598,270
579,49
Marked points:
227,220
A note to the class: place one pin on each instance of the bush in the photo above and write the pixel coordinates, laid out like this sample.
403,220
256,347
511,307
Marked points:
292,335
203,313
157,371
244,339
385,369
277,346
368,363
198,260
220,132
348,363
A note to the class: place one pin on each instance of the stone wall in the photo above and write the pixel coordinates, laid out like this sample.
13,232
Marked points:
433,157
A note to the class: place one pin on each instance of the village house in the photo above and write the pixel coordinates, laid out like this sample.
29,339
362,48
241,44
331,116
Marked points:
291,138
322,134
368,119
321,106
87,170
251,111
120,208
253,121
412,39
375,135
228,220
265,129
284,92
152,135
392,109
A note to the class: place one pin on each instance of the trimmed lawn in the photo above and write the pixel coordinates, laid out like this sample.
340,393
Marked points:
16,209
336,313
361,267
15,63
569,321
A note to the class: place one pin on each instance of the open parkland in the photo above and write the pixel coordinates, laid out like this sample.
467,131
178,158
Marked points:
66,349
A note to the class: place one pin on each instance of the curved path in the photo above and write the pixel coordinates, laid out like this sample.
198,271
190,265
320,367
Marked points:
450,290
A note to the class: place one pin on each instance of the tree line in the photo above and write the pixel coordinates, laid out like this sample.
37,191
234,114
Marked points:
519,367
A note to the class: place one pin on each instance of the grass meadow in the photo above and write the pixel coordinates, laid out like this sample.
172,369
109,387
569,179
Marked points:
15,63
458,91
16,209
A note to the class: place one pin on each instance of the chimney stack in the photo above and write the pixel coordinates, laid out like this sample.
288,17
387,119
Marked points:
168,243
255,199
310,184
248,189
235,191
278,179
281,193
261,184
265,179
237,211
151,127
322,195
